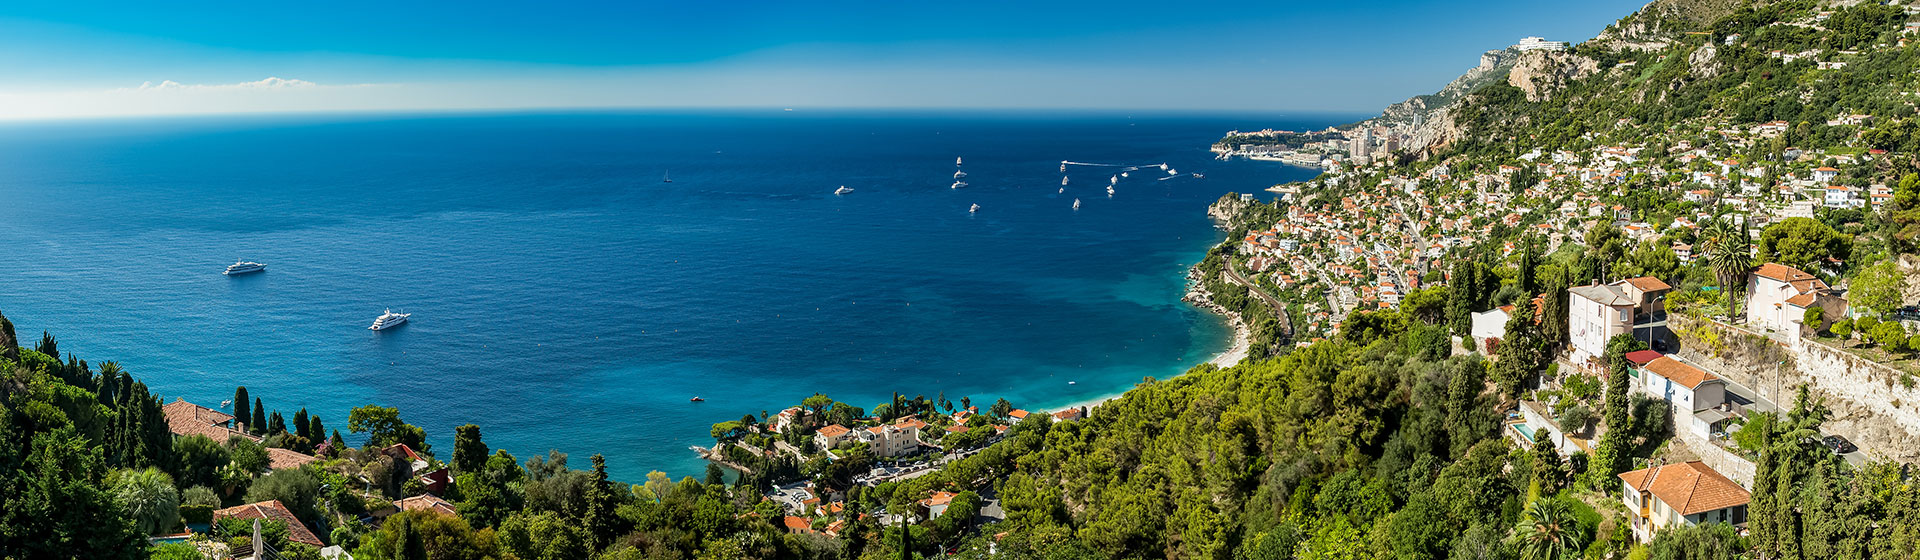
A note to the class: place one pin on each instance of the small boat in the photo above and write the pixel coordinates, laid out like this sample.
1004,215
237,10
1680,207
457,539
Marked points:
1163,167
1172,172
959,174
1063,166
244,267
1109,190
1063,190
975,208
842,190
1076,204
1073,382
1114,181
959,184
1199,176
226,403
389,320
1063,181
956,162
667,178
1123,174
698,399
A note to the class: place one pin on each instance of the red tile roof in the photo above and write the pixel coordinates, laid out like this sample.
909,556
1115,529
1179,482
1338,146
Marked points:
287,459
425,502
272,509
1641,357
1689,488
1683,374
188,419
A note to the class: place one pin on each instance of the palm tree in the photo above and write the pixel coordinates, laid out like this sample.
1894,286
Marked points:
1730,256
1547,531
149,498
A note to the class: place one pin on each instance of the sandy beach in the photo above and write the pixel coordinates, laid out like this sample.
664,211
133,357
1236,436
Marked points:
1242,340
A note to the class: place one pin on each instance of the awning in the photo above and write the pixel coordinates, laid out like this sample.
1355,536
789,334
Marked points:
1710,416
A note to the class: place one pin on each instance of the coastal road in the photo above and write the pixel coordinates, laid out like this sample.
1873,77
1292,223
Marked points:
1279,309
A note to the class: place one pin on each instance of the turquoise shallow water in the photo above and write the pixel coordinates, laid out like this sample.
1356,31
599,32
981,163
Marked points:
564,297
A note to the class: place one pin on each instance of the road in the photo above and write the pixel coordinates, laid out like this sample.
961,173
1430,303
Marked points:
1279,309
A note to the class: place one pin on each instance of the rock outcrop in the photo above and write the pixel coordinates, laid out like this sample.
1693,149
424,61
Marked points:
1540,74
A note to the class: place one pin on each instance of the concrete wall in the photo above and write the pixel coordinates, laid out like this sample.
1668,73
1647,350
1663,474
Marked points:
1733,466
1871,404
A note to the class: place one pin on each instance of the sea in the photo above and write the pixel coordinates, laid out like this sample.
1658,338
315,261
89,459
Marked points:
565,296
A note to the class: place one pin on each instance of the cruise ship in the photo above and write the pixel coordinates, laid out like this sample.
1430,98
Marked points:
389,320
244,267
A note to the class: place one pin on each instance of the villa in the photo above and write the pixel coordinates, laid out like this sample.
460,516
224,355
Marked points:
1778,297
1681,494
1599,312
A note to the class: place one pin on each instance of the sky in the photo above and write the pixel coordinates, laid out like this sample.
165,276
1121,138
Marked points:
66,59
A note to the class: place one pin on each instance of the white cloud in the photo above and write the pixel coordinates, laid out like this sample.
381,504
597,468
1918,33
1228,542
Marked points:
168,97
268,83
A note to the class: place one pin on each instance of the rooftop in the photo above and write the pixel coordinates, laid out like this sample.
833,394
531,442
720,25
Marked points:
1689,488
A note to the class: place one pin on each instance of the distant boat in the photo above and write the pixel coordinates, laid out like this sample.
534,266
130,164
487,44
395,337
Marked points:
1073,382
959,184
667,178
1199,176
244,267
1123,174
1109,190
842,190
1115,181
959,174
226,403
1063,190
975,208
1063,166
1076,204
698,399
1063,181
1163,167
389,320
956,162
1172,172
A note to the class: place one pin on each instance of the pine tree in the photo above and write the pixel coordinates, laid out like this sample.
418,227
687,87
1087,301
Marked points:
407,542
601,503
241,414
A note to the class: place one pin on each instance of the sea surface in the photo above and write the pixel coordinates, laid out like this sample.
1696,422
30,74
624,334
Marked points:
565,297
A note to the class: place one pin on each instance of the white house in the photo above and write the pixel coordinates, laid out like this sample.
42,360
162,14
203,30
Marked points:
1778,297
1597,313
1842,196
1681,494
1491,323
1825,174
1693,392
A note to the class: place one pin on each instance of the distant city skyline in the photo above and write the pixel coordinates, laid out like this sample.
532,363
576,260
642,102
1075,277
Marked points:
69,60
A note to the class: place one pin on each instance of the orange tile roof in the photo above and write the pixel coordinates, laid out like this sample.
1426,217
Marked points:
834,430
1684,374
938,499
1648,284
278,458
188,419
1689,488
425,502
272,509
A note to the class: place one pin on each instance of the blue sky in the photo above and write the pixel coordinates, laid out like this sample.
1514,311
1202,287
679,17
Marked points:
78,59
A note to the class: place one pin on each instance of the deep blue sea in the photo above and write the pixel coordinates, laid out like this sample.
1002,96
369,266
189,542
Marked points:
564,297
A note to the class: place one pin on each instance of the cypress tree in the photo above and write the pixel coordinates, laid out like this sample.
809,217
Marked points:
300,424
258,425
9,344
469,452
241,413
276,424
315,431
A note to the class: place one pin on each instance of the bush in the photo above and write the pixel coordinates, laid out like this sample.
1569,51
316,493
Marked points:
1889,335
196,514
1842,328
1813,317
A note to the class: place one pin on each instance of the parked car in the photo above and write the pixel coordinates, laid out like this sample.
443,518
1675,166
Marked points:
1838,445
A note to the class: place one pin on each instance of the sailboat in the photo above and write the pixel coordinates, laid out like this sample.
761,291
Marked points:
956,162
1076,204
667,178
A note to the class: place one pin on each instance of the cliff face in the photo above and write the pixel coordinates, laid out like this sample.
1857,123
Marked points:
1658,23
1424,108
1542,73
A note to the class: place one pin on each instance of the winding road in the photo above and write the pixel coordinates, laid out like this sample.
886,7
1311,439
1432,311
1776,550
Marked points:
1279,309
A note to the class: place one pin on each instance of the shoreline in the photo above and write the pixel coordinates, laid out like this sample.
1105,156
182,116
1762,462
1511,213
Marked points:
1232,355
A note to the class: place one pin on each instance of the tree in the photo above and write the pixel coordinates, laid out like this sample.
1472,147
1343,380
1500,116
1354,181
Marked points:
1813,318
1683,541
150,499
1842,328
1548,531
301,424
1729,256
1001,408
1803,243
197,460
247,455
276,424
384,428
258,424
600,520
298,489
241,412
54,505
1879,288
469,452
1889,335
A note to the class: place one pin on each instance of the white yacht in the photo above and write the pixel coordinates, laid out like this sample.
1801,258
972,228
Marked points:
1063,166
959,174
1170,171
1123,174
975,208
842,190
1063,181
956,162
959,184
1114,181
244,267
1109,190
389,320
1063,190
1076,204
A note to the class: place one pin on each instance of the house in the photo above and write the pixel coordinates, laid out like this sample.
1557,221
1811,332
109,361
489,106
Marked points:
1825,174
894,439
796,524
1694,393
1490,324
1842,196
830,436
1681,494
1074,413
272,510
1596,313
278,458
937,504
186,419
426,502
1778,297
